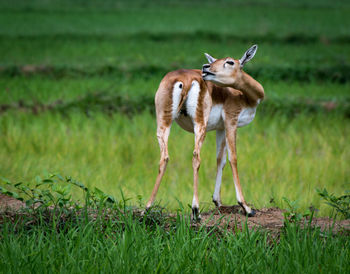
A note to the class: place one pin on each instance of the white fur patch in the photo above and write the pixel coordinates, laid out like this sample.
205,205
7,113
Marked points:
176,98
215,120
195,202
246,116
192,99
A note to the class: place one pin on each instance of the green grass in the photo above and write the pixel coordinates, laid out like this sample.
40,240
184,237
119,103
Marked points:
130,245
230,19
277,156
95,60
187,51
44,90
86,5
121,49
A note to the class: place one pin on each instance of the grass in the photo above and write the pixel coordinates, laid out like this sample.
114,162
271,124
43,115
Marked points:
54,239
95,61
124,242
45,90
137,250
276,18
104,48
277,156
176,51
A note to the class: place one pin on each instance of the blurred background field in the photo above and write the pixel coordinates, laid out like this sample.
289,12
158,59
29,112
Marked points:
78,78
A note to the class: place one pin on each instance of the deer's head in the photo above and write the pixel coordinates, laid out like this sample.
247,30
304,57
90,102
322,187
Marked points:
226,71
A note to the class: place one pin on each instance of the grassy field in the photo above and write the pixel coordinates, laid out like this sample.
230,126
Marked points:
77,82
303,154
82,67
95,59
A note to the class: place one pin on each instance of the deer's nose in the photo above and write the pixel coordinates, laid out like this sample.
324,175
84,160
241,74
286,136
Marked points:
205,66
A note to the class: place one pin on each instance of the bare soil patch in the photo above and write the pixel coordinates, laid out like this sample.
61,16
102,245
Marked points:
270,219
9,203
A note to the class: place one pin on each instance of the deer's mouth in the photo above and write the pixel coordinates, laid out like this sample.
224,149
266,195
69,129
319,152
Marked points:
206,73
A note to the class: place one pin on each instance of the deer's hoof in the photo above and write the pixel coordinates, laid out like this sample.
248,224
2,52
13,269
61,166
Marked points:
217,203
246,210
145,211
196,217
252,213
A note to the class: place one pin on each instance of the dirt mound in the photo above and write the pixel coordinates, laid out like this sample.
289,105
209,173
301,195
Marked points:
232,217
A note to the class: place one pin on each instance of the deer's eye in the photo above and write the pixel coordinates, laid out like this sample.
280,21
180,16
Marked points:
231,63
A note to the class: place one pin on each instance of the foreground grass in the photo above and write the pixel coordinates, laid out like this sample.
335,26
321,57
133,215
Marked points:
277,156
127,244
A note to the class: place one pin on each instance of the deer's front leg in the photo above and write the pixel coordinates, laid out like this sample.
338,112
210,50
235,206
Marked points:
232,155
199,131
221,162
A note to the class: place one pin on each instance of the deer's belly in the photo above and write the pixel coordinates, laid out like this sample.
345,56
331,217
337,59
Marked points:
185,122
247,115
215,120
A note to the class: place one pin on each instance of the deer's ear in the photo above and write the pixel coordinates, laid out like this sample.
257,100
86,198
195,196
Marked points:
248,55
211,59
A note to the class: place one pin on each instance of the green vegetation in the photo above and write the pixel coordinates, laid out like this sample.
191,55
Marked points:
77,82
130,246
108,236
113,152
341,203
64,67
83,61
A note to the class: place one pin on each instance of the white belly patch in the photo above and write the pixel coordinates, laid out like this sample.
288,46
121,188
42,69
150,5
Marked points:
215,120
216,116
246,116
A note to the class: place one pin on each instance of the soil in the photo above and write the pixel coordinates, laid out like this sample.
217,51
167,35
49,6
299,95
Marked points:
270,219
9,203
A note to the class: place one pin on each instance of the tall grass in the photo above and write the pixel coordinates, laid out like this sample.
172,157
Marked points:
277,156
127,244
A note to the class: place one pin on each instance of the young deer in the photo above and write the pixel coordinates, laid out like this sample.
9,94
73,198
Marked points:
221,97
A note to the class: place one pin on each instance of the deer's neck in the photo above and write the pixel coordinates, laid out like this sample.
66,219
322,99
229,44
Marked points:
250,88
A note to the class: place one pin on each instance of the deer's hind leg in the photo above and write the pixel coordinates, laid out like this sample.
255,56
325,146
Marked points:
200,118
163,132
165,118
199,131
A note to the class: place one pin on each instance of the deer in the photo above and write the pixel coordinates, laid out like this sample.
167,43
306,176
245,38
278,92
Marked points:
220,97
